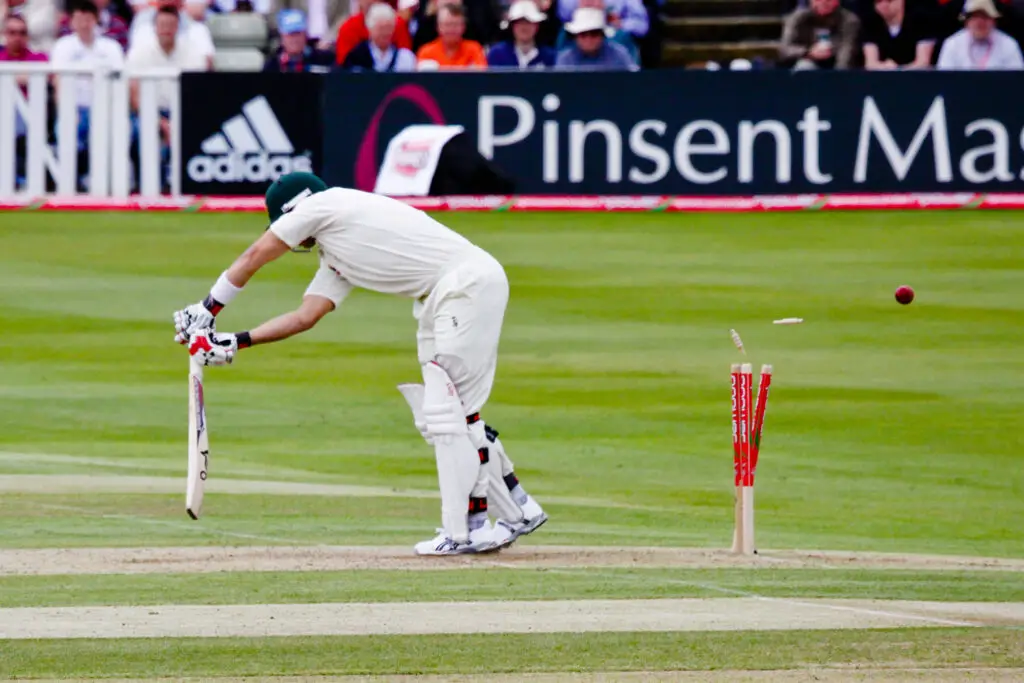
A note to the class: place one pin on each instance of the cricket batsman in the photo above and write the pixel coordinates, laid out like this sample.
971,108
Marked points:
459,294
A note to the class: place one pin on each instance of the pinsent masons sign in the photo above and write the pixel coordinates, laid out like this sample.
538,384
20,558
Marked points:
699,133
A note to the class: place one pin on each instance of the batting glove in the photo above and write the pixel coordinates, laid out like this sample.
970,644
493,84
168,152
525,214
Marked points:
191,320
213,348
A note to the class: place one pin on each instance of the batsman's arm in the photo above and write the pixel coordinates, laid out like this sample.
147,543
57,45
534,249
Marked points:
308,314
202,315
325,293
267,248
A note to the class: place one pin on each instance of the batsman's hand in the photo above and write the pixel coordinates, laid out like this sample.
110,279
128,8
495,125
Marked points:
213,348
191,320
421,426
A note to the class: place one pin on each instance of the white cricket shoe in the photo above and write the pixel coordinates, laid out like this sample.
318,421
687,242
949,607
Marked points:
533,517
503,534
442,544
486,539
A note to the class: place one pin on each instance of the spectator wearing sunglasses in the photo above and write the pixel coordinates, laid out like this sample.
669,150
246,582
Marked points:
296,55
615,35
17,50
980,46
16,42
41,17
592,49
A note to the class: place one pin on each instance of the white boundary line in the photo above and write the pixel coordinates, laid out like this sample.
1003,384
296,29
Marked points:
867,611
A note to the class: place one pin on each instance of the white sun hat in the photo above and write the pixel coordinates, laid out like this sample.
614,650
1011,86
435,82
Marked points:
586,19
524,9
986,7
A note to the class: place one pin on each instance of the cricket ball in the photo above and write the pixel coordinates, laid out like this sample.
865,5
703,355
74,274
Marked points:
904,294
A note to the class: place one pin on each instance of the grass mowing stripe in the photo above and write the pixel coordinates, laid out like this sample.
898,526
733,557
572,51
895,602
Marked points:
165,523
499,584
926,648
32,520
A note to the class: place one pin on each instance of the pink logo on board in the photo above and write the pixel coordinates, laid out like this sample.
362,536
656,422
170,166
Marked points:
366,156
412,157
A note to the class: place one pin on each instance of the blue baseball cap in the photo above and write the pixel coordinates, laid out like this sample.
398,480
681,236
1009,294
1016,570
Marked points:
291,21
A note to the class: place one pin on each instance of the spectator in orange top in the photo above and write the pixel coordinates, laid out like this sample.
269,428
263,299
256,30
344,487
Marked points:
354,31
451,50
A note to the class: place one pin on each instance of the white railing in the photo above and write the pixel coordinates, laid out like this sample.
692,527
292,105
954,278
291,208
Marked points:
110,170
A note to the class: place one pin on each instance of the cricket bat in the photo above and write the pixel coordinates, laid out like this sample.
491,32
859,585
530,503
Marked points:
413,394
198,441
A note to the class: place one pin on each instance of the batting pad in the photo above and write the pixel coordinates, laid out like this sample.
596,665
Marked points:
499,498
459,474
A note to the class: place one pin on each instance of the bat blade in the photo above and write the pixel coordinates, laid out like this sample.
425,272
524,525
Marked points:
413,394
198,442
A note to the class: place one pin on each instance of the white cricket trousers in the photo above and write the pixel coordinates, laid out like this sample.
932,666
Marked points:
460,326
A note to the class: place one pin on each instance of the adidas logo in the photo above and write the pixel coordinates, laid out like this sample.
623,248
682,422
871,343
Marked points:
251,147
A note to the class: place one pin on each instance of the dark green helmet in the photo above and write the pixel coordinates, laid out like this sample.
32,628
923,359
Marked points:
289,190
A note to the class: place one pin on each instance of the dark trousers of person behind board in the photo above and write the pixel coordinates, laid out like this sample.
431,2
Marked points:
461,169
650,45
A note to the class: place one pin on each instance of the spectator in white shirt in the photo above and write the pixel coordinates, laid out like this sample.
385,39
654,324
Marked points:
84,48
170,50
197,33
980,46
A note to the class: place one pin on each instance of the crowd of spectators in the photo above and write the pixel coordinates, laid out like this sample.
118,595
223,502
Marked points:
887,35
410,35
320,35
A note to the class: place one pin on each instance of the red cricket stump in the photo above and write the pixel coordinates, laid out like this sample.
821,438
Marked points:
759,409
746,497
747,426
736,454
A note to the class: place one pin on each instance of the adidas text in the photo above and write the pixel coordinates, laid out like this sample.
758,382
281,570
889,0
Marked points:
253,168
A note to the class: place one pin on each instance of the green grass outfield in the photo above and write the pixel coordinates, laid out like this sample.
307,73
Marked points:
890,428
927,648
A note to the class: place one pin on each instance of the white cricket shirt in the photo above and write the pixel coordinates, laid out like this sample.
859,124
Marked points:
149,54
70,51
373,242
197,33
